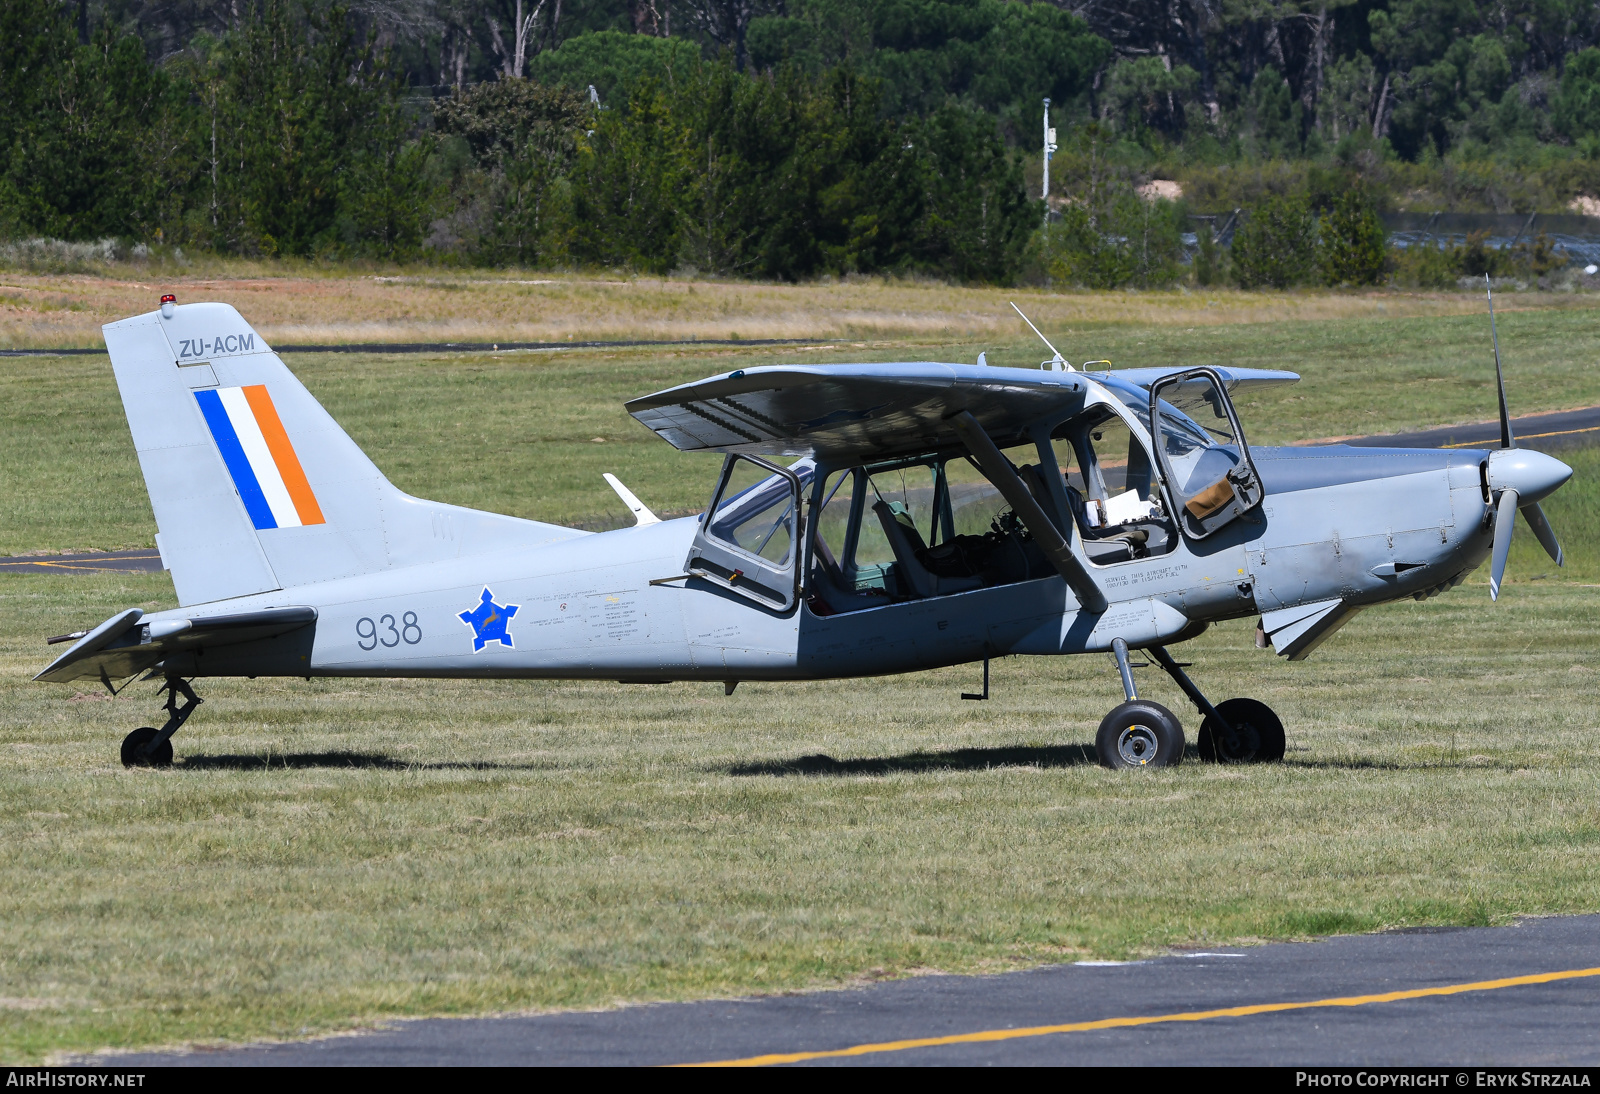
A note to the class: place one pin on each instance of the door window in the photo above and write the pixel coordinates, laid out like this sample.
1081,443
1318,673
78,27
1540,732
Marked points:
747,540
1120,492
1202,451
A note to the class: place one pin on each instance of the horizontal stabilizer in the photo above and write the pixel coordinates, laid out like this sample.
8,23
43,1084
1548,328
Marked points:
127,643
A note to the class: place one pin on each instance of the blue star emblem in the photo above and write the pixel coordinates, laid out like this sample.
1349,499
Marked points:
489,622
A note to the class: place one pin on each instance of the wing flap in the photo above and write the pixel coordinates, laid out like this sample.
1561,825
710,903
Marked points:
865,411
1296,632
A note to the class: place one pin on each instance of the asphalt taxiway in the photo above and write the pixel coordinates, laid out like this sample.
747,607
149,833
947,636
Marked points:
1522,995
1546,432
146,560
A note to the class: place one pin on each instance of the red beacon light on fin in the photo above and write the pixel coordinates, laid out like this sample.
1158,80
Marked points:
167,303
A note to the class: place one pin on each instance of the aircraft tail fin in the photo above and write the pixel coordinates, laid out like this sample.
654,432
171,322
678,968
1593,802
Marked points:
254,486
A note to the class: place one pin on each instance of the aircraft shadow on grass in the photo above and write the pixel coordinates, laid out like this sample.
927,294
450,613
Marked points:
304,760
960,759
980,759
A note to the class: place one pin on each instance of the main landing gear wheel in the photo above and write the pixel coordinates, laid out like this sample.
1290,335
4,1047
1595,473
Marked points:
134,755
1256,737
1139,733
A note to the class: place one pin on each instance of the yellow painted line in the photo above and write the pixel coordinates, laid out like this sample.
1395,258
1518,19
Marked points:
988,1035
1527,437
76,563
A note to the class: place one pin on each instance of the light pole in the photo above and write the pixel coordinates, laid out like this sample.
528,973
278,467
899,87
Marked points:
1049,147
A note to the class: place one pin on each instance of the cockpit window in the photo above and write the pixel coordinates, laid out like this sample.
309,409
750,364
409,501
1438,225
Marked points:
756,511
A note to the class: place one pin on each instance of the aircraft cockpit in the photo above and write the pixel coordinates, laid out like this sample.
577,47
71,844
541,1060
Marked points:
852,535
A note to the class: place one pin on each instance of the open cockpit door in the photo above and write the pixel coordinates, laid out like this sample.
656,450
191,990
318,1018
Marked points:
1202,451
749,539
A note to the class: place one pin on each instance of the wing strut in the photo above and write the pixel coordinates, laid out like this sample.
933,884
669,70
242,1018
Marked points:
998,470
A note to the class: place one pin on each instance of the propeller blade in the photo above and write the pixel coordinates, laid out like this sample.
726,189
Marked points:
1505,519
1541,528
1506,440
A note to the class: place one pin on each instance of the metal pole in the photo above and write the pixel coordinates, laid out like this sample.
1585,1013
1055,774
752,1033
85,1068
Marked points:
1045,192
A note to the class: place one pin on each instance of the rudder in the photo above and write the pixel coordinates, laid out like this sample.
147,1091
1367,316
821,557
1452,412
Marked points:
254,486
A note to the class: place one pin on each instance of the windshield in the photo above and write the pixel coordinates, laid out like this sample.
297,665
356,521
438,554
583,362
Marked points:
1173,420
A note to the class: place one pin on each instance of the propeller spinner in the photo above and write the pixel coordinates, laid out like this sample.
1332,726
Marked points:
1521,477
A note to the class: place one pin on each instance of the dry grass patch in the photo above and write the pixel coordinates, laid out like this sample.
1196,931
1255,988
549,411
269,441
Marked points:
297,308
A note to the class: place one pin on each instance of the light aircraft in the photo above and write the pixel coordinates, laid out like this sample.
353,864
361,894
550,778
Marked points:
868,519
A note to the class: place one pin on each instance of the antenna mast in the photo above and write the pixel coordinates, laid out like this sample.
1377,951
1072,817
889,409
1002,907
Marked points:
1058,362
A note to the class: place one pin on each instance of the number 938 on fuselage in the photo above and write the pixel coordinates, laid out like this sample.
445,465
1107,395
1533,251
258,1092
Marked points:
867,519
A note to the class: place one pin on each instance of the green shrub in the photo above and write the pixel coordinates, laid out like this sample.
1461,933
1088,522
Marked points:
1350,242
1119,242
1276,244
1426,266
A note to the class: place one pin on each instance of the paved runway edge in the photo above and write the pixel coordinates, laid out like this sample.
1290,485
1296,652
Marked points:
1521,995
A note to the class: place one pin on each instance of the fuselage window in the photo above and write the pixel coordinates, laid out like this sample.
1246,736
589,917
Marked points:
917,529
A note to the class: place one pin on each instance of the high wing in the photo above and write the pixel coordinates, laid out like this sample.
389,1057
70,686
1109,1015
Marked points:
879,411
853,411
122,646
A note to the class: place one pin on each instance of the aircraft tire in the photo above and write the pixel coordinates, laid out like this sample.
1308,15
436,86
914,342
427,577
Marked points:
1258,737
1139,734
132,757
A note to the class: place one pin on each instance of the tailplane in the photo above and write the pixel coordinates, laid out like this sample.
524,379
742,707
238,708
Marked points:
254,486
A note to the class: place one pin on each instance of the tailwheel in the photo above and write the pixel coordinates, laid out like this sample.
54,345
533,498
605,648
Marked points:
1139,734
1254,734
147,747
134,747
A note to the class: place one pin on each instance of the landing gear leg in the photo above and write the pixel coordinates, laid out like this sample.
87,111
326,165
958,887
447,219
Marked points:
150,747
1236,731
1138,733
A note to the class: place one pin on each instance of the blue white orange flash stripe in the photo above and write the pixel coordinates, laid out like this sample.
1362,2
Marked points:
256,448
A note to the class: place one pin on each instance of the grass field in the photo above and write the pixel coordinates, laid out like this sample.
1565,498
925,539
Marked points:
332,853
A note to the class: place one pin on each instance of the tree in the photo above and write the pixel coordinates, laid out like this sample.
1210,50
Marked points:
295,105
1145,94
525,136
1275,245
613,63
727,23
1577,106
102,146
1351,242
977,215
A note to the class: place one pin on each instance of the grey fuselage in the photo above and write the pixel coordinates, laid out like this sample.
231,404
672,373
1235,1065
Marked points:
1364,526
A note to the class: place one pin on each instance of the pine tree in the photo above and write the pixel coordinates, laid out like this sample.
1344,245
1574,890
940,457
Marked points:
1351,242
